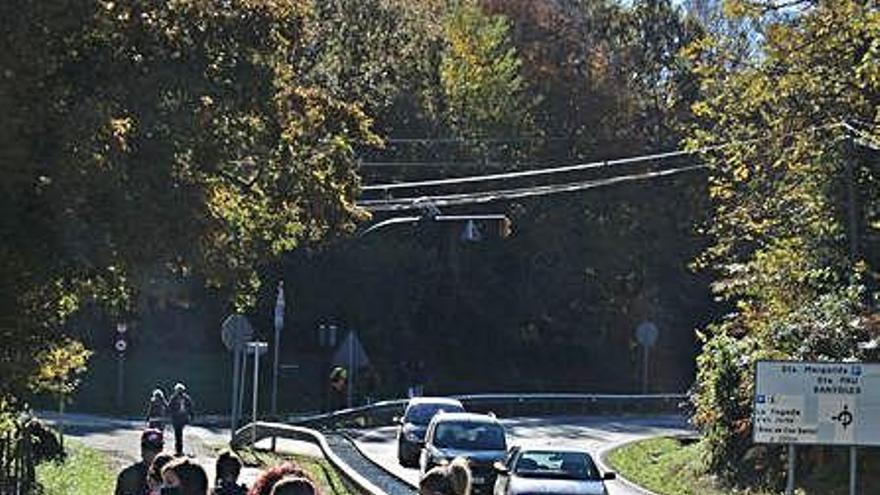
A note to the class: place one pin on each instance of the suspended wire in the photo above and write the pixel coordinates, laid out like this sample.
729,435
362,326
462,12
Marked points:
582,166
377,205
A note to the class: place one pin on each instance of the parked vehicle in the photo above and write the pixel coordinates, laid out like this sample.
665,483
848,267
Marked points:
544,470
479,438
414,424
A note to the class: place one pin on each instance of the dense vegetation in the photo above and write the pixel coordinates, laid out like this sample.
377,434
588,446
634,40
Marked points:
165,163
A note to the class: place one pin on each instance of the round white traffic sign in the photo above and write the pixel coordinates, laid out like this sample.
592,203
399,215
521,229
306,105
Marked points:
647,333
236,331
121,345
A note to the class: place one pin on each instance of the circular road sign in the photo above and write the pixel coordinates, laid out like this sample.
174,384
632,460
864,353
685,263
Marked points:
647,333
121,345
121,328
236,331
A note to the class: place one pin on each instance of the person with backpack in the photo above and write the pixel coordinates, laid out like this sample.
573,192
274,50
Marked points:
180,406
157,410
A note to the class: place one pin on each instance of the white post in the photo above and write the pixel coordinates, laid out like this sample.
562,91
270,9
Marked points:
256,389
789,484
853,470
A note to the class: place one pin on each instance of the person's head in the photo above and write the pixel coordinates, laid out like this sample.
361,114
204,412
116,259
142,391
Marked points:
267,479
449,479
151,445
294,485
228,467
184,477
154,475
179,388
158,394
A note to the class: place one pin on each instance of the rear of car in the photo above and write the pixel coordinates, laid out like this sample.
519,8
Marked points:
414,424
479,438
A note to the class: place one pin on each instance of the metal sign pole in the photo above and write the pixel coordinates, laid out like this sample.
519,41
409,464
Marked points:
645,371
789,484
853,469
256,389
236,362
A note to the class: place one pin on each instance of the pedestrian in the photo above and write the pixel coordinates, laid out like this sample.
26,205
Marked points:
228,468
154,474
449,479
337,397
267,479
295,485
184,477
133,479
157,410
181,406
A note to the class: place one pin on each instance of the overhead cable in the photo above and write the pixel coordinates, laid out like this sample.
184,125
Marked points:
580,166
401,204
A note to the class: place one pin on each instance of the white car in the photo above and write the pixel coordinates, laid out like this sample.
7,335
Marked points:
550,471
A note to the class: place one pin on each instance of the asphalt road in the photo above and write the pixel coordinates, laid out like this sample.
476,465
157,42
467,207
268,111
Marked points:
598,434
119,439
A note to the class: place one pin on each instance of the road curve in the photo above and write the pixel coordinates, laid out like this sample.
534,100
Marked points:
596,433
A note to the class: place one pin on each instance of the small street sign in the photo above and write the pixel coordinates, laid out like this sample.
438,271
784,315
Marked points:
236,331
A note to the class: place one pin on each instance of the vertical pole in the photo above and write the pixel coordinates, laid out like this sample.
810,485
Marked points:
242,382
350,365
236,363
853,470
256,389
645,370
120,379
789,483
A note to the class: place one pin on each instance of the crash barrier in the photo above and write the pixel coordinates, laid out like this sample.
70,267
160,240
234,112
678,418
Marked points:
505,405
254,432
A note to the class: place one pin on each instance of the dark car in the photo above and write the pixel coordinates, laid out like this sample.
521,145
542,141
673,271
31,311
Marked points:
479,438
414,424
551,471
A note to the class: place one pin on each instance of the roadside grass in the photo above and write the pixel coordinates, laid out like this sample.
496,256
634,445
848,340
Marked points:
329,481
85,472
669,466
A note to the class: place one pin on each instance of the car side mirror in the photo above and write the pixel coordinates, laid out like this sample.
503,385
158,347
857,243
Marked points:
500,468
610,475
397,420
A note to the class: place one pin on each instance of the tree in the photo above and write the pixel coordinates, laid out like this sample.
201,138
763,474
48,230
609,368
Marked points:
785,229
156,138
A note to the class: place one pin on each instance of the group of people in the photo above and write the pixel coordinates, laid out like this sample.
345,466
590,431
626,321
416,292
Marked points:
178,409
160,473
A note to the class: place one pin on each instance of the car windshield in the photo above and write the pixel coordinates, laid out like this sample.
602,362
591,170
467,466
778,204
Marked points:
421,414
557,465
469,436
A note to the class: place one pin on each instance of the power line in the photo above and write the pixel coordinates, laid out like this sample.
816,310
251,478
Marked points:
581,166
378,205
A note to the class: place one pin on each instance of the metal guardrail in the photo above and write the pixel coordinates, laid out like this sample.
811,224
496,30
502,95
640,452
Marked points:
505,405
255,432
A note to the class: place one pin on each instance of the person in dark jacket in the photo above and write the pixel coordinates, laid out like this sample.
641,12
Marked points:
228,468
157,410
133,479
180,407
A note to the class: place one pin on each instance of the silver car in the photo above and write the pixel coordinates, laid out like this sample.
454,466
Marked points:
550,471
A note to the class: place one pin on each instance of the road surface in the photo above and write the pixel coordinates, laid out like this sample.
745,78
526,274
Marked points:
598,434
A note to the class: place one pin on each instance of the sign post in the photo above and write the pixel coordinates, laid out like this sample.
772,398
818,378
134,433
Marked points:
235,332
646,334
257,348
120,345
279,325
817,403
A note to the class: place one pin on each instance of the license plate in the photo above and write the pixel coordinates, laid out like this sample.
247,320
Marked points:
478,480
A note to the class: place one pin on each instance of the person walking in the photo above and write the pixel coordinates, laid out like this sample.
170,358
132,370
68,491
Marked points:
157,410
133,479
181,406
337,394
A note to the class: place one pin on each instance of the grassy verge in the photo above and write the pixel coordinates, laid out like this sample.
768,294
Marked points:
329,481
669,467
84,472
